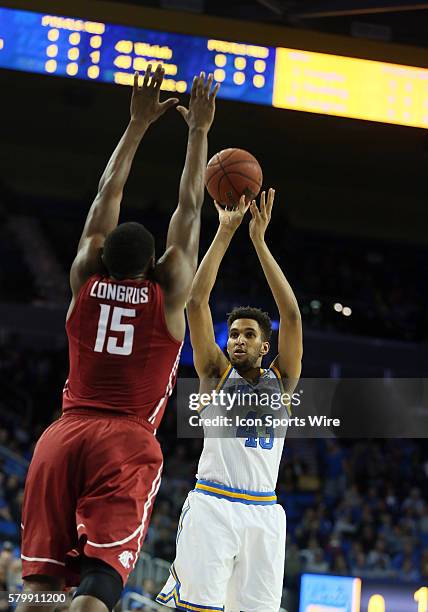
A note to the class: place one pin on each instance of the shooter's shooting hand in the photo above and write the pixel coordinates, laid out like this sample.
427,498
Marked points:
230,218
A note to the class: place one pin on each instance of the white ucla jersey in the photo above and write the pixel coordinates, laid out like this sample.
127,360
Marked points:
250,461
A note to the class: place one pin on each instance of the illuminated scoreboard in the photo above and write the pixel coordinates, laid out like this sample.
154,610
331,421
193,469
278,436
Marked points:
350,87
284,78
69,47
322,593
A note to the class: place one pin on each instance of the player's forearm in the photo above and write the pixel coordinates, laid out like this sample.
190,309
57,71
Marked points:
281,289
206,275
184,226
191,195
117,170
103,216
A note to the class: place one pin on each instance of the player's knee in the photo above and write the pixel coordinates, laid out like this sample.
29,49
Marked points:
34,584
100,581
37,584
88,603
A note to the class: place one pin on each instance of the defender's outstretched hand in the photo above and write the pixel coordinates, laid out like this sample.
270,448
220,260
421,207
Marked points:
145,105
230,218
260,218
200,113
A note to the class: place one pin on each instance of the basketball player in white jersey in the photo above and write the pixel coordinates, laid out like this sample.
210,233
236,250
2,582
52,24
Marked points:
231,534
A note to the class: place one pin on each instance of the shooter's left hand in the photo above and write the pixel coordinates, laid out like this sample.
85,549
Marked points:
260,218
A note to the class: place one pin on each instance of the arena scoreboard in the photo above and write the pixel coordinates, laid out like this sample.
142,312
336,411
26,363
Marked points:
320,593
323,593
274,76
70,47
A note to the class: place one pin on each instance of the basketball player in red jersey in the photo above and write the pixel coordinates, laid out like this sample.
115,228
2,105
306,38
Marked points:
96,471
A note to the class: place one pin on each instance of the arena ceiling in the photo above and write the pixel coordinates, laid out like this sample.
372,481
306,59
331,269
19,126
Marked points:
399,21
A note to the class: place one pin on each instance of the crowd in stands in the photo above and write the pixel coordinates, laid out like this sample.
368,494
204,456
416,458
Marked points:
383,284
353,507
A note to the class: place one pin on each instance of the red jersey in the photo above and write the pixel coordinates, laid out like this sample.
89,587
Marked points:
122,357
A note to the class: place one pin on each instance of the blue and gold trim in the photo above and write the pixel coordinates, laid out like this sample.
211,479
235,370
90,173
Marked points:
220,384
180,604
235,495
281,385
185,510
224,377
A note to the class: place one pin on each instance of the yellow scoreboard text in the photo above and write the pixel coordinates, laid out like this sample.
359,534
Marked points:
351,87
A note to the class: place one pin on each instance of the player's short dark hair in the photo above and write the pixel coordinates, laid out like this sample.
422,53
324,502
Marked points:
127,250
249,312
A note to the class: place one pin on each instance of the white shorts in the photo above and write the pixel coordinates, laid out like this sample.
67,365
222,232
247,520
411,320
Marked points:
230,556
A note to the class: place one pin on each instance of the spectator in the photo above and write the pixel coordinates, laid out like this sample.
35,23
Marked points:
317,564
307,479
344,524
293,564
378,557
339,566
149,588
424,565
414,501
359,566
408,572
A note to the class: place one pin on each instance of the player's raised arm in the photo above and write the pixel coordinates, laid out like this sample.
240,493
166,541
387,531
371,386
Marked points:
184,227
208,357
176,269
104,213
290,346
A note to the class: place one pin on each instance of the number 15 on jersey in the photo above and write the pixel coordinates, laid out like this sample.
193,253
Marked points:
116,325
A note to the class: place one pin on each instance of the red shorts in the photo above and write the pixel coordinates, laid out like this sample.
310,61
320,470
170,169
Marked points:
90,490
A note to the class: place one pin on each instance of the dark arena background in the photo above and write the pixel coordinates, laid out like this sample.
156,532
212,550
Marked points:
344,141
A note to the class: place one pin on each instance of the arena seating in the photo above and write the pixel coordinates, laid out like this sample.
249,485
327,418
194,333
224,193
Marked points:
382,283
352,506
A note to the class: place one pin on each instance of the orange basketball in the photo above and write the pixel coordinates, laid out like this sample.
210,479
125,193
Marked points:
231,174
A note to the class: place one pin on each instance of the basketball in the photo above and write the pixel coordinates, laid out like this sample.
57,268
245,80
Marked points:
232,173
